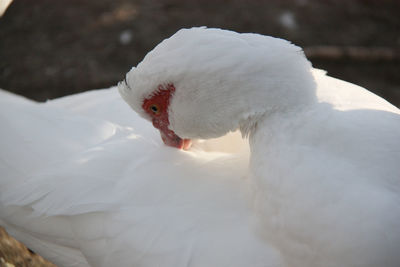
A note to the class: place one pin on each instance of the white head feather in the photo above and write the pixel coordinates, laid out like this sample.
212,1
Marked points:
223,80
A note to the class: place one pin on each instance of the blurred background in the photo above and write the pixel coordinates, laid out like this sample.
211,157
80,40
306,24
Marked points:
53,48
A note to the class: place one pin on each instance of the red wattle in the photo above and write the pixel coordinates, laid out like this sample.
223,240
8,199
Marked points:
160,100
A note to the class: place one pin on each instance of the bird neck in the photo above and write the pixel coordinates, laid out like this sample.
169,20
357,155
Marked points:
279,101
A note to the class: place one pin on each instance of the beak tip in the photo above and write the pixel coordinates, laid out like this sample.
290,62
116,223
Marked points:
187,143
171,139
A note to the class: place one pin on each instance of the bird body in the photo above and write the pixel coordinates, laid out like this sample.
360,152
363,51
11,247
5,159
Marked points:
316,185
326,180
85,181
324,153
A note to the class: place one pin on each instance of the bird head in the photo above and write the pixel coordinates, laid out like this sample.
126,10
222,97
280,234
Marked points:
203,83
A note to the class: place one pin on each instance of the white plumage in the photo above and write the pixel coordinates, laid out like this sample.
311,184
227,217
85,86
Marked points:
86,181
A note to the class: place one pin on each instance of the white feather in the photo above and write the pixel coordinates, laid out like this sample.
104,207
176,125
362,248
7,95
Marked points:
323,187
324,152
116,196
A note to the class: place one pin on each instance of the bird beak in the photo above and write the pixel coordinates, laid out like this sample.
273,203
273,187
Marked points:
171,139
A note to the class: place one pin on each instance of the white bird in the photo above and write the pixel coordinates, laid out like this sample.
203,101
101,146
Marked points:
322,187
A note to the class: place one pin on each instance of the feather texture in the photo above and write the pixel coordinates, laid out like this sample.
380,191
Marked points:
85,181
119,196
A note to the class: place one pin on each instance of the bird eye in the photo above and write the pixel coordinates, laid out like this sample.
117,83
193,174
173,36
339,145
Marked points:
155,109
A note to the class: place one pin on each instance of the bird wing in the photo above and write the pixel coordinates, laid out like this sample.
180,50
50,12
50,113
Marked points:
116,195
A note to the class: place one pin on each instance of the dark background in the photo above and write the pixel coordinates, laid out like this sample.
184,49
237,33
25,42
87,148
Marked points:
51,48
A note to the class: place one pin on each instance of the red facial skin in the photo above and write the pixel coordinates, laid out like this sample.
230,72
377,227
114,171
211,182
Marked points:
157,107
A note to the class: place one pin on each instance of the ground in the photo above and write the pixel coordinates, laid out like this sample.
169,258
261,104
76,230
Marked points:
53,48
14,254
